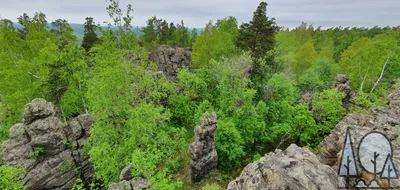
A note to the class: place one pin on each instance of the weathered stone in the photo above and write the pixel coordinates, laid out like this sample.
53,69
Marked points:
202,151
140,183
343,84
306,98
48,151
128,183
38,109
294,168
126,174
170,59
123,185
385,120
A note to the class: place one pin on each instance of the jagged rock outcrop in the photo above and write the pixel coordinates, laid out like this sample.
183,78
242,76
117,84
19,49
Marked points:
343,84
128,183
295,168
169,59
202,151
49,150
385,120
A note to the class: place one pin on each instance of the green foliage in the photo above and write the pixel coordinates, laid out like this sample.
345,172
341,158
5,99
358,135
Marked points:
36,152
163,181
204,107
90,37
176,164
280,88
229,144
304,128
159,32
363,102
230,78
211,187
304,58
250,76
130,128
304,33
327,105
318,77
215,41
258,37
364,61
286,46
11,178
192,89
256,157
79,185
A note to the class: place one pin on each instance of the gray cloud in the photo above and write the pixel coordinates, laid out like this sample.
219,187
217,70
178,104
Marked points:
196,13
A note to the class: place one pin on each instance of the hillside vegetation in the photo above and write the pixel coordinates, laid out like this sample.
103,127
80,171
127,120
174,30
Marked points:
252,75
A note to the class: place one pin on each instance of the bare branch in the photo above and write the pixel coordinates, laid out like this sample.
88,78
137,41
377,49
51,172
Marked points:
380,77
363,79
83,99
33,75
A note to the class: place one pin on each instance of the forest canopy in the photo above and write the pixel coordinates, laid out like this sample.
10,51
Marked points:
254,75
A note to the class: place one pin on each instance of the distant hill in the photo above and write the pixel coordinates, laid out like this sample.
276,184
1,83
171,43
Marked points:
79,30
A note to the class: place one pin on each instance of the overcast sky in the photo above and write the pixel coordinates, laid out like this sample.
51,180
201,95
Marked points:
196,13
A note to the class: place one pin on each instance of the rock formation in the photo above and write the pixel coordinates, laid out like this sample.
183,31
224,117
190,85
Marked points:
295,168
169,59
306,98
48,149
343,84
202,151
385,120
128,183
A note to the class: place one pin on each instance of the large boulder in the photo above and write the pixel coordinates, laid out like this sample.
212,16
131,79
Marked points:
48,149
295,168
204,157
170,59
385,120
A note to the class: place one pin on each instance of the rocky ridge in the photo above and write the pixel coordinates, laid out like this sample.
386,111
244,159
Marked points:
384,119
49,150
294,168
170,59
202,151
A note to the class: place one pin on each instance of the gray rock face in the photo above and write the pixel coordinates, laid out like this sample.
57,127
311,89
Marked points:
48,150
128,183
126,174
295,168
385,120
343,84
306,98
202,151
38,109
169,59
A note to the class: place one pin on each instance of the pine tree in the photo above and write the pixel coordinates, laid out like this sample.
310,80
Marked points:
90,37
258,36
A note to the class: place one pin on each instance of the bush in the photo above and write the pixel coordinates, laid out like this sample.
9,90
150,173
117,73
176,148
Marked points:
176,164
328,108
229,145
11,178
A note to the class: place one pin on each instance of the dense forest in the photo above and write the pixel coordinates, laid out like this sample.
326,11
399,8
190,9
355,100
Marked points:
252,75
